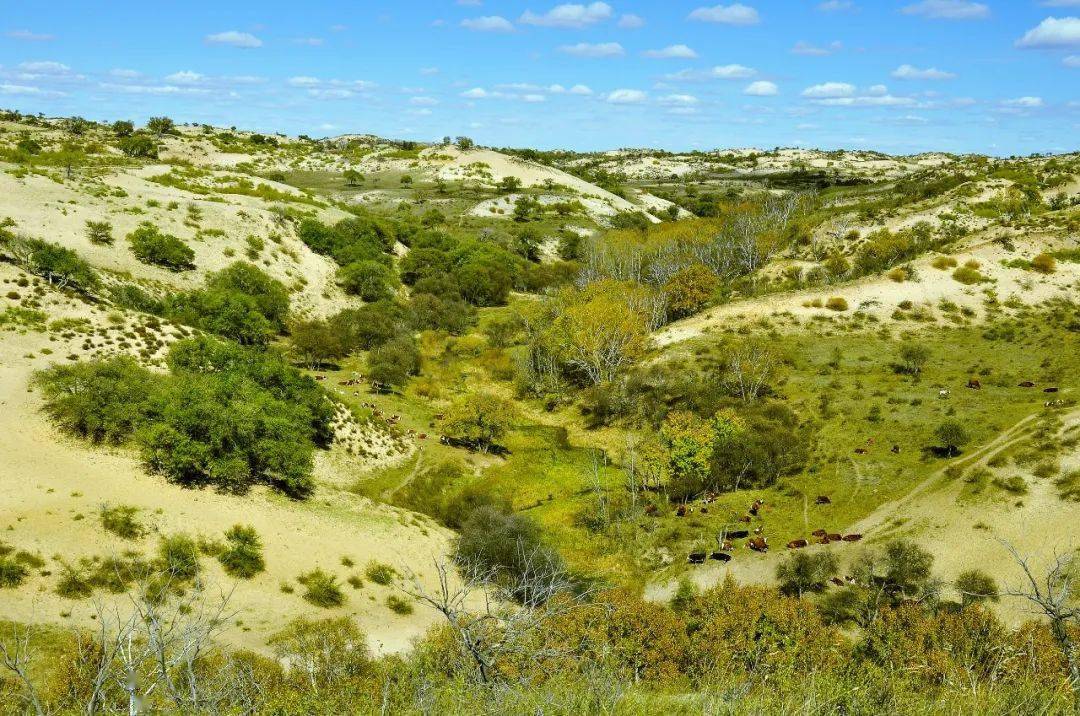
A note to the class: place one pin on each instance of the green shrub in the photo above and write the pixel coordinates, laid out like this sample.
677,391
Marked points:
242,557
12,573
969,276
380,573
399,605
321,589
179,555
122,521
58,265
1044,263
102,401
99,232
836,303
153,247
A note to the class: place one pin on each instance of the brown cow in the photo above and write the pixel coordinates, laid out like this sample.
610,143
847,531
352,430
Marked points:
860,451
758,544
822,500
796,544
837,581
834,537
745,518
852,538
1026,384
895,450
704,510
974,384
819,533
680,511
1050,390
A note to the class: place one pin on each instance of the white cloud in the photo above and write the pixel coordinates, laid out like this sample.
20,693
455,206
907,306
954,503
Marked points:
309,41
45,68
737,14
1072,61
476,93
1053,33
556,89
186,77
28,36
877,90
581,90
331,93
233,38
533,98
910,72
152,89
829,89
762,88
12,89
720,72
884,100
488,23
835,5
423,112
569,15
303,81
585,49
627,96
805,48
948,10
1060,3
331,89
423,101
1024,102
631,22
679,99
680,52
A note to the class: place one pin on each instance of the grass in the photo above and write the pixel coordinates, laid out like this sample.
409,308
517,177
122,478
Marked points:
399,605
242,555
380,573
321,589
122,521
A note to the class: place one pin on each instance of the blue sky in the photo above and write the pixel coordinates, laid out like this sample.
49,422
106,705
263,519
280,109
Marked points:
901,76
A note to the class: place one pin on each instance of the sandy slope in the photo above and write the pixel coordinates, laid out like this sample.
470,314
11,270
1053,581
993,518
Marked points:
52,487
879,296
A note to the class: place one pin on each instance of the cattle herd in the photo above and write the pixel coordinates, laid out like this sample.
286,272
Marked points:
758,542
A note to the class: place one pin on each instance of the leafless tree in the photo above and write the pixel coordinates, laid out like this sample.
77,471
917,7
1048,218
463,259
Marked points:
496,616
750,368
1053,595
16,655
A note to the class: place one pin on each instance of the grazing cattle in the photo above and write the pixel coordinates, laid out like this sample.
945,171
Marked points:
819,533
1053,403
852,538
1026,384
727,546
860,451
974,384
651,510
825,540
849,580
758,504
837,581
320,377
895,450
738,534
1050,390
704,510
834,537
822,500
680,511
796,544
422,436
745,518
758,530
758,544
439,416
720,557
696,558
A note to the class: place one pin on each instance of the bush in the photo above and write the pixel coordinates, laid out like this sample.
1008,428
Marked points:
122,521
138,146
944,262
99,232
805,571
478,419
952,435
968,276
240,302
370,280
1044,263
101,401
242,557
506,545
395,361
380,573
322,589
153,247
179,554
399,605
836,303
58,265
12,573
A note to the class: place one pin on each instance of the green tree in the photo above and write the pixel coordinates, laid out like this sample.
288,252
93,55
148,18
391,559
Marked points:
508,184
243,556
690,290
806,571
480,419
952,436
370,280
123,128
99,232
152,246
976,586
689,441
913,356
161,126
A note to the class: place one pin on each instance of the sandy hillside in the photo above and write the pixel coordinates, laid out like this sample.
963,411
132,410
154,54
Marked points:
879,296
52,488
58,212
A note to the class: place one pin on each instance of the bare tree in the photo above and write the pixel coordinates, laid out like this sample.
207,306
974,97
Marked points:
16,655
1053,596
750,368
496,616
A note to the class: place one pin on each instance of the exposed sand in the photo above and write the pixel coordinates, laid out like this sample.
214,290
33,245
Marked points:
52,487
